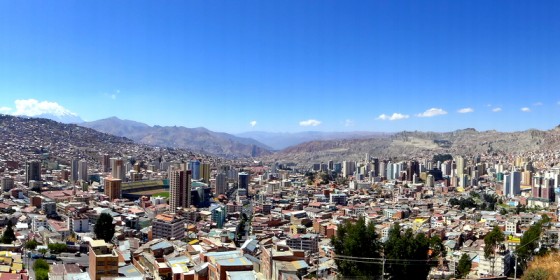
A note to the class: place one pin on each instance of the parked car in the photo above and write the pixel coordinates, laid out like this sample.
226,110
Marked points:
78,254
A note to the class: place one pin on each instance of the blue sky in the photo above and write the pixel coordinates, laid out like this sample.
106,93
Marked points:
286,66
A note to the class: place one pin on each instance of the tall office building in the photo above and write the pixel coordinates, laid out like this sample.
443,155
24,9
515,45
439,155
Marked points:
515,184
179,189
105,163
83,170
117,168
348,168
194,167
113,188
33,171
205,172
507,185
221,183
7,183
460,165
243,180
74,170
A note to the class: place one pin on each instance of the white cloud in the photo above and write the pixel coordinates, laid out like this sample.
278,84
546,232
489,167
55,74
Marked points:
348,123
5,110
525,109
497,109
393,117
310,122
537,104
465,110
33,107
113,96
253,123
432,112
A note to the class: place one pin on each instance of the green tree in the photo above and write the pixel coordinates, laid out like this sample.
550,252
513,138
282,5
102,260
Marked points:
8,236
57,248
491,242
530,242
355,241
31,244
104,227
408,254
41,264
43,251
42,274
464,266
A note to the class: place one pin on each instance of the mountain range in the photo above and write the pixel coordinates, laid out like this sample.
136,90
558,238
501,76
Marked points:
197,139
313,146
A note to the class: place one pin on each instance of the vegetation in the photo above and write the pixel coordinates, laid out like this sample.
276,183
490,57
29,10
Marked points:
104,228
410,254
529,243
406,255
57,248
31,244
8,237
162,194
442,157
464,266
543,268
41,268
491,242
357,240
463,202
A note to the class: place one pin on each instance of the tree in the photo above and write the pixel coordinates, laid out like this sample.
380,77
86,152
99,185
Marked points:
41,268
8,236
357,240
31,244
409,254
57,248
464,266
104,228
43,251
41,264
491,242
530,242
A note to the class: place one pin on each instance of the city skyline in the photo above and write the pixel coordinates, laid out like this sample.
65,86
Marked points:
285,66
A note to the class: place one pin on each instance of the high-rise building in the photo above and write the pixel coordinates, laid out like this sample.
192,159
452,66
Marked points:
243,180
33,171
82,170
460,165
179,189
105,163
221,183
515,184
7,183
205,172
348,168
113,188
507,184
194,167
74,170
103,260
117,168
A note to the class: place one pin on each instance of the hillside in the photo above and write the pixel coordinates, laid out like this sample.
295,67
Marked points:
282,140
424,144
196,139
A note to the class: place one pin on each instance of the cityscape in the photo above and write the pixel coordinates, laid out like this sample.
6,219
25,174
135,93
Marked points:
284,140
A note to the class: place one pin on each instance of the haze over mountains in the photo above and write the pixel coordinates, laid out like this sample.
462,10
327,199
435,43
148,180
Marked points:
314,146
282,140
